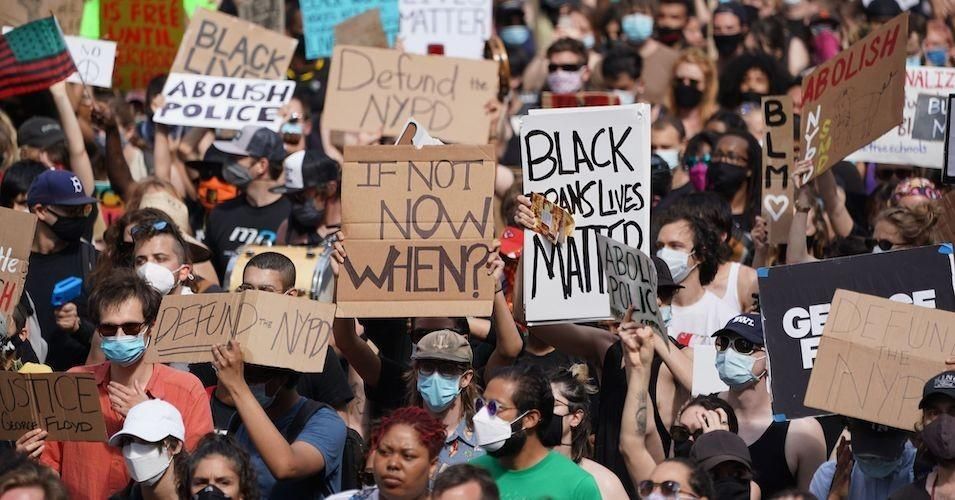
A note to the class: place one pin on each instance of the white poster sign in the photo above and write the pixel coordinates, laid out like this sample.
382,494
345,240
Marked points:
920,139
461,28
594,163
222,102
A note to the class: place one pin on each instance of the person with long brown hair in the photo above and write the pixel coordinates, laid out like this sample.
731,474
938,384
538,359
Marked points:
692,95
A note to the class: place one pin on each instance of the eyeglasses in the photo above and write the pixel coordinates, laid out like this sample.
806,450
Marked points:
732,159
884,245
107,330
681,433
143,227
694,160
493,407
739,344
668,488
428,367
564,67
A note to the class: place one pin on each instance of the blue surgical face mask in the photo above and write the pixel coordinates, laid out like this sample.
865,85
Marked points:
877,467
124,350
261,395
936,57
438,391
667,314
735,369
637,27
588,40
913,61
515,35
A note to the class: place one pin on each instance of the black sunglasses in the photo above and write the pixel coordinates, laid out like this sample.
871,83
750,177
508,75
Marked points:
493,407
668,488
739,344
884,245
681,434
565,67
107,330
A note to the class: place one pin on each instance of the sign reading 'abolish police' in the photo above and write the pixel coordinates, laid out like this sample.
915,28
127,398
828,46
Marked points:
796,300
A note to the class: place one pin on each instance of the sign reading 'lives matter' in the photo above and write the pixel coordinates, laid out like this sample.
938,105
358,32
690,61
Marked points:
594,163
796,299
460,27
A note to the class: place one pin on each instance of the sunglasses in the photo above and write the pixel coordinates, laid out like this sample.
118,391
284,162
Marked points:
493,407
107,330
884,245
739,344
564,67
694,160
429,367
142,228
681,434
668,488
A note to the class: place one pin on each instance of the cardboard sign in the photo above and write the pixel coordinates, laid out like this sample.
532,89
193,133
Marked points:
94,61
551,100
778,196
460,28
631,280
875,356
66,405
269,14
364,30
218,44
147,33
854,97
795,303
594,163
948,170
378,90
420,226
319,18
919,139
68,13
225,103
274,329
16,239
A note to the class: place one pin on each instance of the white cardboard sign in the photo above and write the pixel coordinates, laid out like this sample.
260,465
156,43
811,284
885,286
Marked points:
461,27
223,102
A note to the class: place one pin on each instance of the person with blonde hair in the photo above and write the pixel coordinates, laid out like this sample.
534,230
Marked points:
897,228
692,95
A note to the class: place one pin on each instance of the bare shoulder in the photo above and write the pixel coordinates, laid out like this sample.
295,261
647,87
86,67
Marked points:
608,482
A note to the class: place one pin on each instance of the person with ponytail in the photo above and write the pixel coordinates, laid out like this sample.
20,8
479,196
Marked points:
568,432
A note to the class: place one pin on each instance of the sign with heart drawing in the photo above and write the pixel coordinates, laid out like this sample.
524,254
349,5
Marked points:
778,159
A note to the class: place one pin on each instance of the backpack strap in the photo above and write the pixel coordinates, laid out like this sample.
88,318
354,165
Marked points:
302,416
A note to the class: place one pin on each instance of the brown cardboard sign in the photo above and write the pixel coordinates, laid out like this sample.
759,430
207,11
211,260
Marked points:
778,195
855,97
874,357
420,227
68,13
16,239
66,405
364,30
378,90
147,33
269,14
274,329
217,44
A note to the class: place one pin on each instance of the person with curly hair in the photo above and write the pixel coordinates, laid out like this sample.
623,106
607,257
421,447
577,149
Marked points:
218,468
897,228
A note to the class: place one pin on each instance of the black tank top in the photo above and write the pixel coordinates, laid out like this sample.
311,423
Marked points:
613,393
769,460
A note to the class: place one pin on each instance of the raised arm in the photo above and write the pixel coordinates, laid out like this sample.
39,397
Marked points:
796,250
117,169
359,354
79,160
835,204
509,342
637,422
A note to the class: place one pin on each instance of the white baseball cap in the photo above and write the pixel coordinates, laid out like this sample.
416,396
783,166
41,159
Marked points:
152,421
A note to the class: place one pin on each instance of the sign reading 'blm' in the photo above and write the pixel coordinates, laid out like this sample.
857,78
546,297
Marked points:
594,163
420,226
778,158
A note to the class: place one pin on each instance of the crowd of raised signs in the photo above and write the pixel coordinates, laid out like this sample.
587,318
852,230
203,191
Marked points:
764,175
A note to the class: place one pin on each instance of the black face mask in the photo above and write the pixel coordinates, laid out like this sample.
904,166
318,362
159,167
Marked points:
70,229
660,183
211,492
687,96
726,45
513,445
731,488
753,97
725,179
553,433
669,36
306,215
682,448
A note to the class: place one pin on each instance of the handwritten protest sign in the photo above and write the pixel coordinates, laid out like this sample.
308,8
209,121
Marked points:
147,33
918,140
16,238
269,14
94,61
631,281
459,27
795,302
876,355
595,163
364,30
420,226
778,157
319,18
378,90
855,97
221,102
274,329
66,405
217,44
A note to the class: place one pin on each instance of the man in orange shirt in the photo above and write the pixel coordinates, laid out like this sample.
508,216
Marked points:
124,307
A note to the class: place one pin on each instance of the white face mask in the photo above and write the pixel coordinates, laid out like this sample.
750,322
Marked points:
625,97
678,263
490,432
671,156
146,463
161,279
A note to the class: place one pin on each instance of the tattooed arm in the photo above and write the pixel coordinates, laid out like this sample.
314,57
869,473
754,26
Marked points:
636,423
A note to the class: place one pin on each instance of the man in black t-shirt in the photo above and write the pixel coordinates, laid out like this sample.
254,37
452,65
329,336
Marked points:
254,165
63,211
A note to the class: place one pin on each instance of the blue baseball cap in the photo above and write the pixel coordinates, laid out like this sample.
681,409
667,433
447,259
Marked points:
58,187
748,326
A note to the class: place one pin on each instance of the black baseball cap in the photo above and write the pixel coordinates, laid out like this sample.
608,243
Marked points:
255,142
306,169
943,383
748,326
664,278
716,447
878,440
40,132
58,187
211,163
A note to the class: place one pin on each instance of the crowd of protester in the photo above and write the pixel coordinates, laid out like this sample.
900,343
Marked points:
464,407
